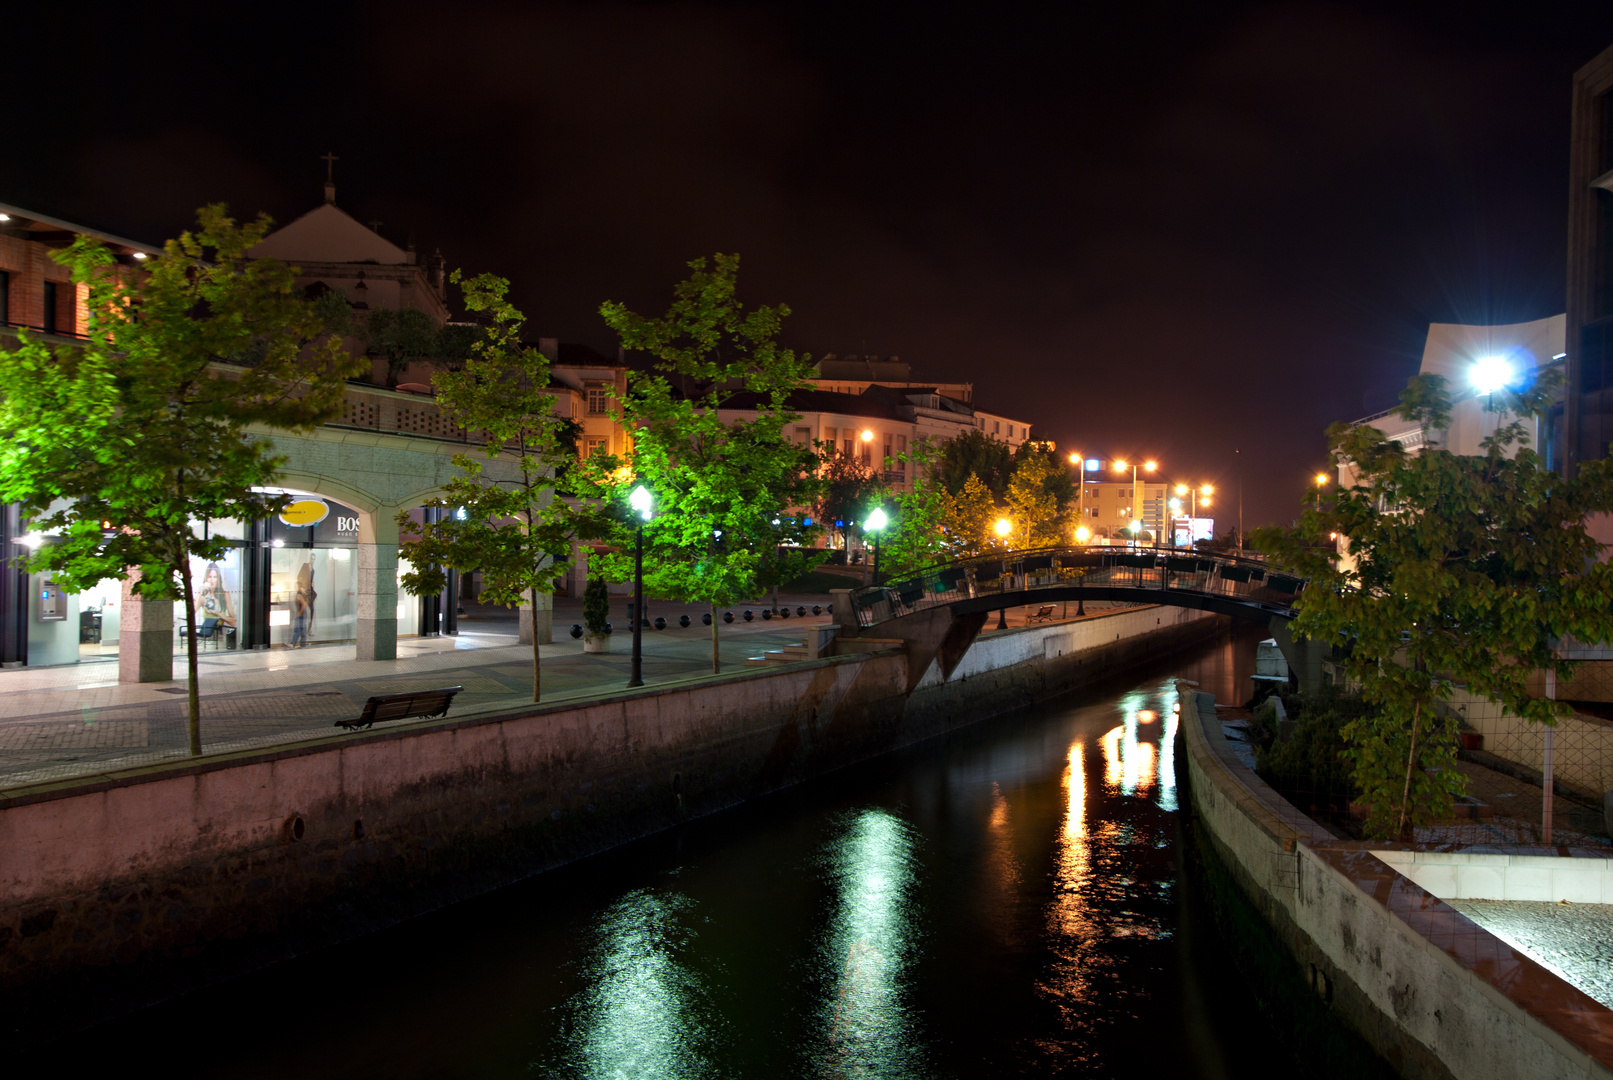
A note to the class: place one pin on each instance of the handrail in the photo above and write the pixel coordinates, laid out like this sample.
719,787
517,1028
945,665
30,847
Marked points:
1243,580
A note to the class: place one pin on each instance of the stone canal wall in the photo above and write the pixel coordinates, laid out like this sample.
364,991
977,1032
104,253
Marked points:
132,888
1429,990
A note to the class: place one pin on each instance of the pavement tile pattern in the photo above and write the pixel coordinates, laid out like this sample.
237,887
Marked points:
1574,941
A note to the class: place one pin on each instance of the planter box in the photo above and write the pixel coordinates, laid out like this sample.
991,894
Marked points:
595,644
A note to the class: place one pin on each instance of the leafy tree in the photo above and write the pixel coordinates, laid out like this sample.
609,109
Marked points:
974,453
595,606
515,532
125,447
1459,569
718,486
402,337
1032,508
916,536
1057,479
847,489
970,516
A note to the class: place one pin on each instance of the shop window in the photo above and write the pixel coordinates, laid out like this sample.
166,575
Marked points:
48,322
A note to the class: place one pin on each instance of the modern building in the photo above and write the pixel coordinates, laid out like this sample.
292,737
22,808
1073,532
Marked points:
1475,361
1588,339
1108,507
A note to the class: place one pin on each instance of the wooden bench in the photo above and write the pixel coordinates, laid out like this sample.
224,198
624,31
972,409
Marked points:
403,706
1043,614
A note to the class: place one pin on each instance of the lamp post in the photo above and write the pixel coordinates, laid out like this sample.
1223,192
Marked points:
1136,494
640,501
1080,492
876,521
1003,528
1194,502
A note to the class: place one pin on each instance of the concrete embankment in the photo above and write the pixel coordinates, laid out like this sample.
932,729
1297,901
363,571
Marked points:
1431,991
144,884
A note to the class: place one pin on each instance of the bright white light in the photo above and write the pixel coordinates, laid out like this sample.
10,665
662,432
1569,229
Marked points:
279,543
640,501
1093,464
5,217
1004,526
341,554
877,520
1082,534
460,513
1135,527
140,255
1490,374
31,540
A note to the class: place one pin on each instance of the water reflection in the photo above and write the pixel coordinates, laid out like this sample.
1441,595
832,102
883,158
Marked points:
869,1025
644,1011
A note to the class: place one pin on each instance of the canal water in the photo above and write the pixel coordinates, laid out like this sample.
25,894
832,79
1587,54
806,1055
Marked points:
1008,901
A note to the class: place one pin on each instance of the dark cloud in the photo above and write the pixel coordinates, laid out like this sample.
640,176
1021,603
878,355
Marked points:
1172,230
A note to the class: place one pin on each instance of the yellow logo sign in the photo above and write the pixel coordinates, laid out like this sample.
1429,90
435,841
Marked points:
305,512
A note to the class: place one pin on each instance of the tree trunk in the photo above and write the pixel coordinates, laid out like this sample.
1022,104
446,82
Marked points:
1411,758
190,655
716,663
534,596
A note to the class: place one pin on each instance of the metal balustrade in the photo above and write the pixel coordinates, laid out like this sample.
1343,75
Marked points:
1230,584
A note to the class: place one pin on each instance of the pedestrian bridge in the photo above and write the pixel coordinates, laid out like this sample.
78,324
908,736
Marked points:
940,610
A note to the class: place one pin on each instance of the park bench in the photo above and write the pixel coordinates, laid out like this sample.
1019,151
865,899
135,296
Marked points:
403,706
1043,614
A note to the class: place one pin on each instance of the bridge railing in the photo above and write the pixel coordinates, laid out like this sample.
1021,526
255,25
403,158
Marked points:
1237,578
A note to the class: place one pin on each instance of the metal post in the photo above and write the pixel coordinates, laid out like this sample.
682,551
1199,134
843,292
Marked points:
1548,782
876,557
637,678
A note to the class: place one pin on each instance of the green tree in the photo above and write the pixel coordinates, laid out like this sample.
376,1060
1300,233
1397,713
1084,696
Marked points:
1458,570
1032,507
846,490
916,536
974,453
971,514
123,449
718,486
515,532
1057,480
402,337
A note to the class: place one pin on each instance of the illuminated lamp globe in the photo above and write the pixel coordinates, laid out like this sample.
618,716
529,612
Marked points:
1135,527
1150,466
868,436
1321,479
1491,373
877,520
640,501
1004,526
1181,489
1082,534
1206,490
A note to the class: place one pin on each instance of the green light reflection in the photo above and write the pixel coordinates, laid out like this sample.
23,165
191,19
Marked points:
869,1027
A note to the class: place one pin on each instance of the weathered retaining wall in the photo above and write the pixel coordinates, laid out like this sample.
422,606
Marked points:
1431,991
125,890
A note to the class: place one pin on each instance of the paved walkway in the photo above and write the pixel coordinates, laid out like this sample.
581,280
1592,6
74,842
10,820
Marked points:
1575,941
78,720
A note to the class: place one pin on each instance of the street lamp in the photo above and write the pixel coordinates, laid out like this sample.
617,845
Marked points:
1198,498
1081,491
640,501
875,522
1003,527
1136,493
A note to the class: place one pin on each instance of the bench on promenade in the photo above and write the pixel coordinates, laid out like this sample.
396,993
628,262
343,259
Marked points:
1043,614
403,706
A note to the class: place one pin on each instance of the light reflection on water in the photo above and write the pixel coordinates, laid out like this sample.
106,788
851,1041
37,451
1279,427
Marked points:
644,1011
869,1027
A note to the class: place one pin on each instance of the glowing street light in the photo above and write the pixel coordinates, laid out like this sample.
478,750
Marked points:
640,500
1136,491
1491,373
1004,527
875,522
1082,534
868,436
1321,479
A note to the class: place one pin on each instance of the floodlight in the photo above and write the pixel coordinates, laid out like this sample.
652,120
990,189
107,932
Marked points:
1491,373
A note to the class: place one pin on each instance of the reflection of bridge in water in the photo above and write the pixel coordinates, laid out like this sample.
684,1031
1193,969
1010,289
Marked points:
945,606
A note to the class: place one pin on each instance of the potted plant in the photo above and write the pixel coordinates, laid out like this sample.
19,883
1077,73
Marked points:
595,616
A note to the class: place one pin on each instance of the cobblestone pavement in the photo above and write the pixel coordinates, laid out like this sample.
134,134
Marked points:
1573,940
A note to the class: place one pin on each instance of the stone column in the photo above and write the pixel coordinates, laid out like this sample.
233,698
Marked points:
378,601
545,620
145,637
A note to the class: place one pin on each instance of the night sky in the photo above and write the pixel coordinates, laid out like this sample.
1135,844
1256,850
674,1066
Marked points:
1147,230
